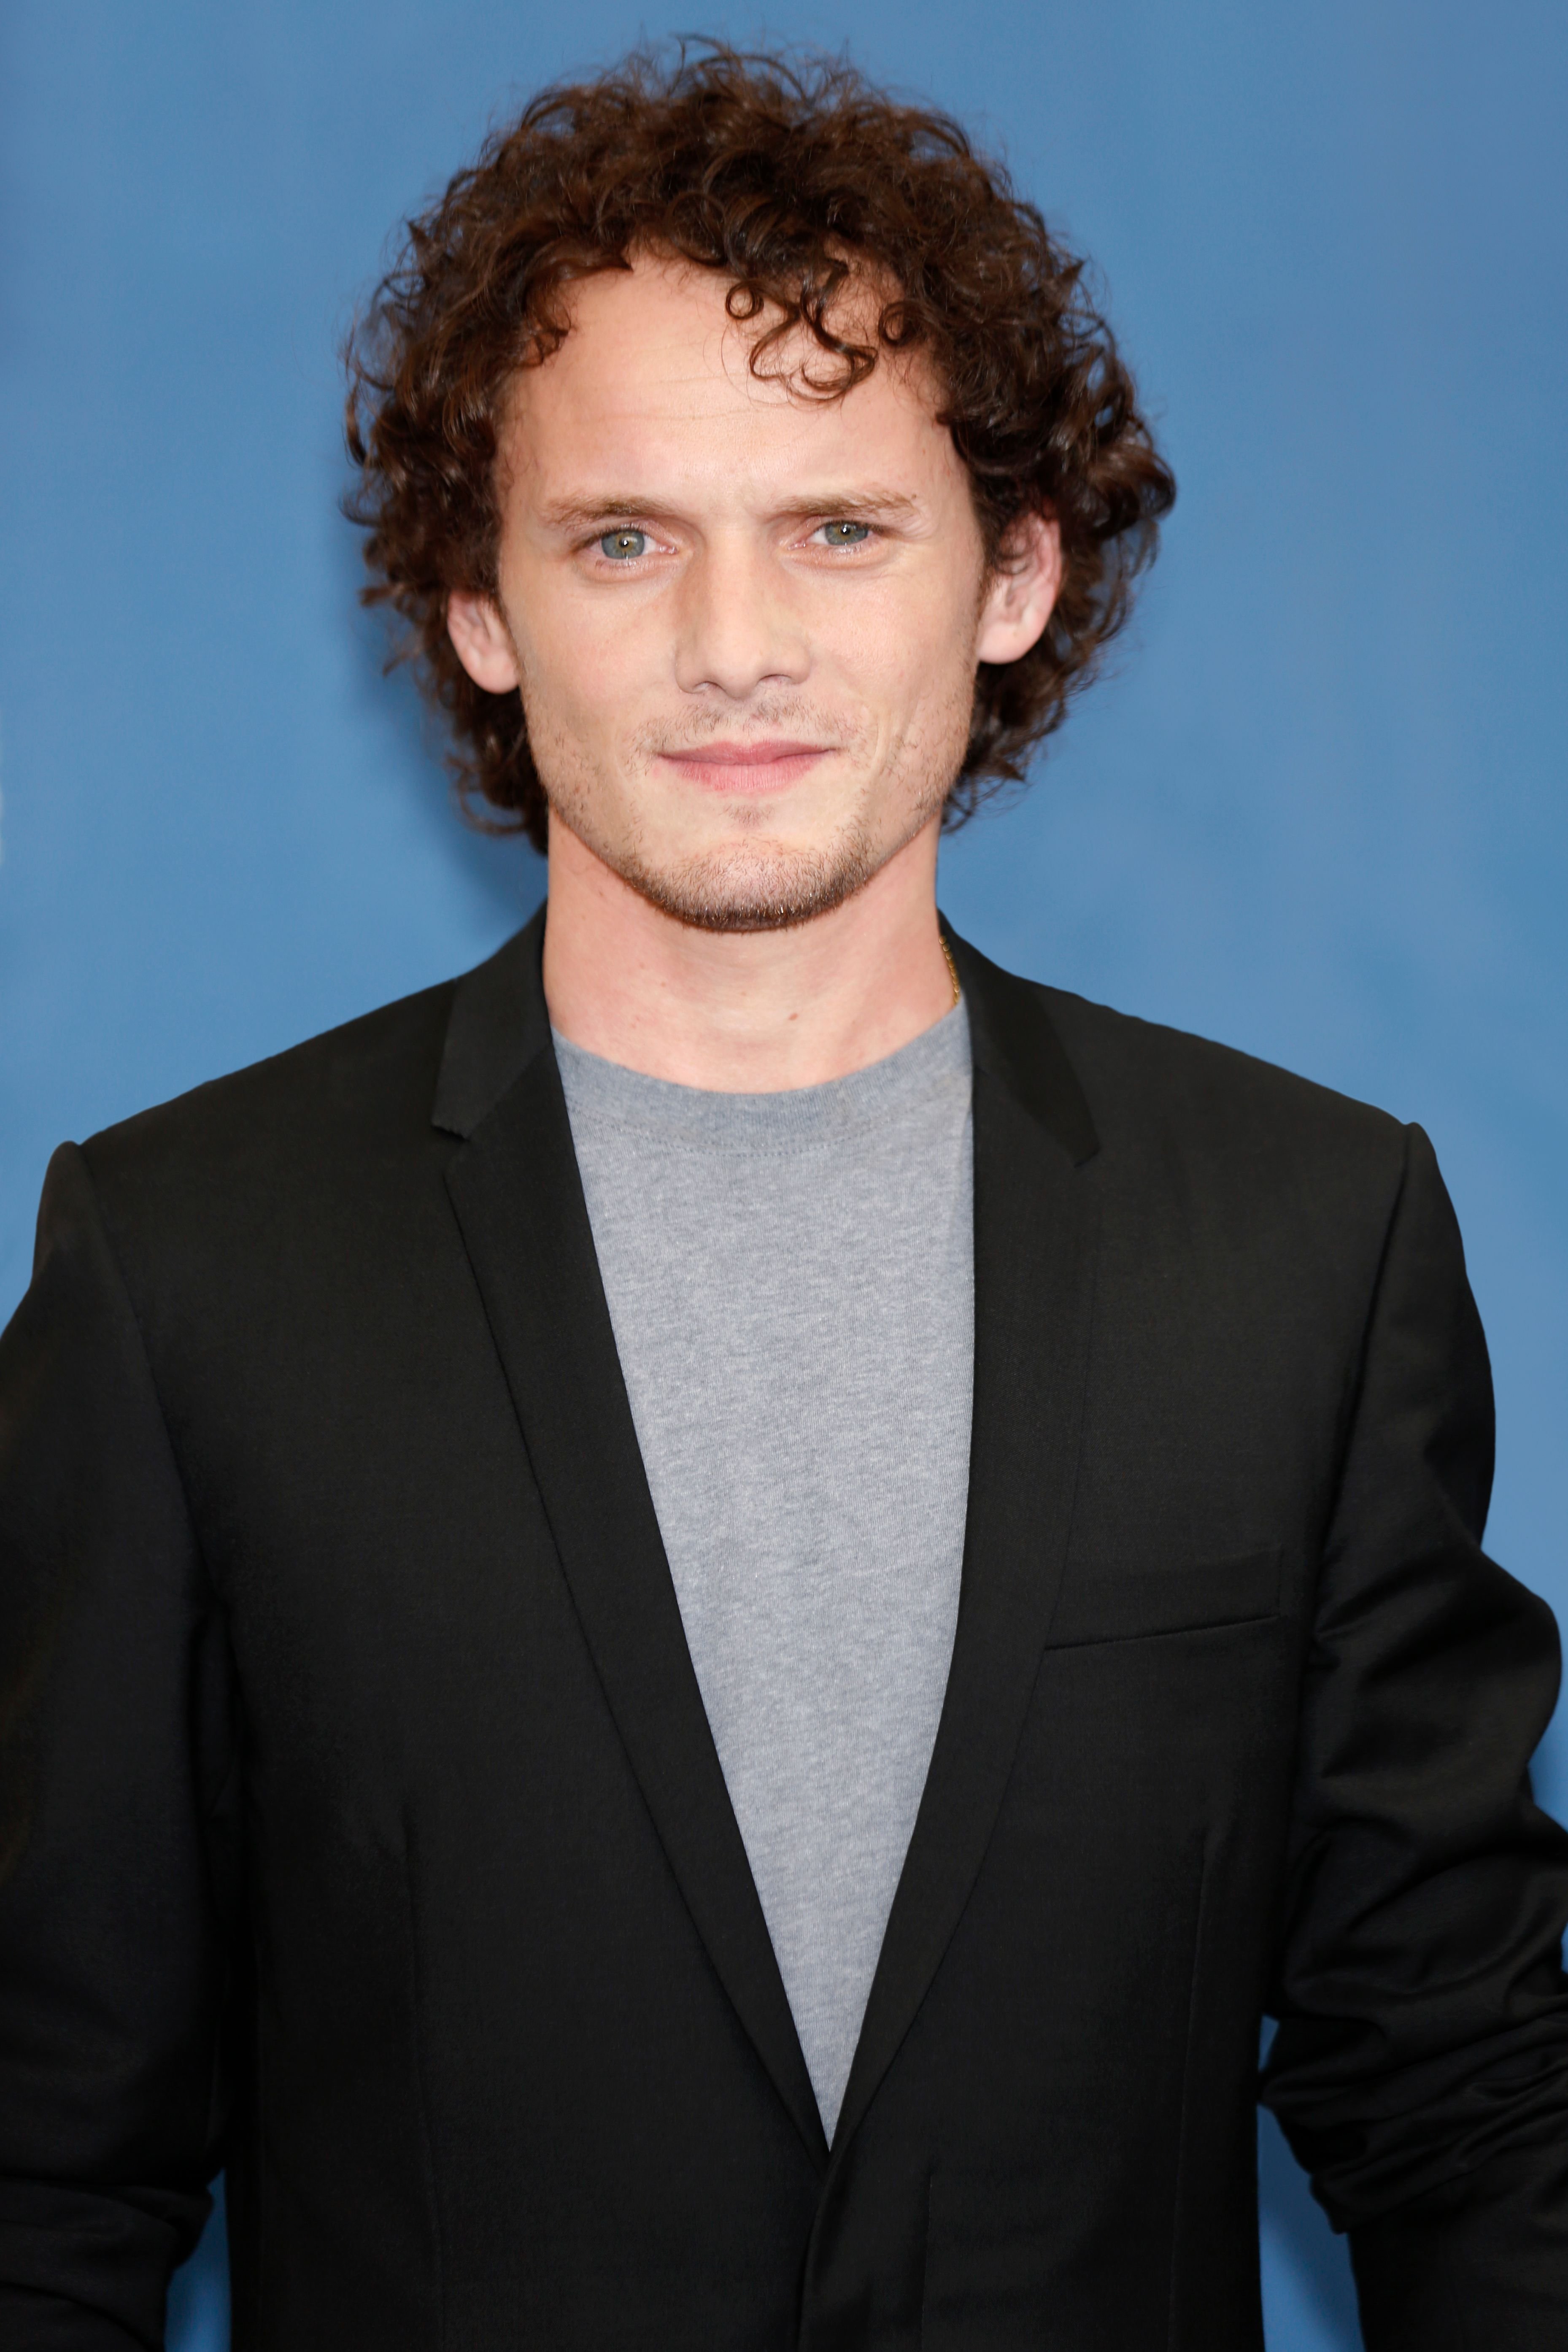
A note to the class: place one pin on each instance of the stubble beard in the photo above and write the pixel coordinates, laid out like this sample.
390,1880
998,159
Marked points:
760,887
755,884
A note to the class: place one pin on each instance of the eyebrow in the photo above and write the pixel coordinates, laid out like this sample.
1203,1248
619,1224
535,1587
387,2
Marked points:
569,515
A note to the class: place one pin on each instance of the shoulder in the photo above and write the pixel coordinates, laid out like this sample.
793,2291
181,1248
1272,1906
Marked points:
334,1105
1229,1138
1140,1073
1265,1193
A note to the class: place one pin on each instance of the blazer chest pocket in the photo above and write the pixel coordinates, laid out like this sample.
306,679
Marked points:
1120,1607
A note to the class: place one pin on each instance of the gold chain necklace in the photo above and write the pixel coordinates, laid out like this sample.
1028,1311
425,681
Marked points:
951,968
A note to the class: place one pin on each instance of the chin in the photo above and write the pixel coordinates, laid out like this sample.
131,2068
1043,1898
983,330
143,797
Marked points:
751,888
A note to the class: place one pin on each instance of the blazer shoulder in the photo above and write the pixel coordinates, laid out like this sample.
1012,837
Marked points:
355,1088
1144,1080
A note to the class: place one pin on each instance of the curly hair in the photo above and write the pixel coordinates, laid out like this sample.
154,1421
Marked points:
792,179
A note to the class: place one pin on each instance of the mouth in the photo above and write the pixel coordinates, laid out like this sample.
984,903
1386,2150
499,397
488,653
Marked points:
752,768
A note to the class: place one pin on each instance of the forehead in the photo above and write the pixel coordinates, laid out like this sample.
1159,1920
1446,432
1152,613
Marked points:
655,377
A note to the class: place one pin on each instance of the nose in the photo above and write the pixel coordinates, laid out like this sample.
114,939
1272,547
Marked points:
737,631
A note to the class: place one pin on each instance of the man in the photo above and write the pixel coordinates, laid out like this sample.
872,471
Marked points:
695,1629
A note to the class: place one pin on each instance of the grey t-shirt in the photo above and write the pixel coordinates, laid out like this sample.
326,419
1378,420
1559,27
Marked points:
790,1278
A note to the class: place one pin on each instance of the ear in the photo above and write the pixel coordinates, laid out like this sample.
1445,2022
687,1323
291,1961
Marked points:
483,640
1023,591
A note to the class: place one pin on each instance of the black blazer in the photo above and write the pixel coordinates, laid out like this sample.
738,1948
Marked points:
363,1831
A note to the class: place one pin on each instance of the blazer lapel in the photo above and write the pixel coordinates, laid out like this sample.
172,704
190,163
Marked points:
519,1202
1034,1278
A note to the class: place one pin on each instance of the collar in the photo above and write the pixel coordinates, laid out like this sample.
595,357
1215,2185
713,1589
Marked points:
499,1024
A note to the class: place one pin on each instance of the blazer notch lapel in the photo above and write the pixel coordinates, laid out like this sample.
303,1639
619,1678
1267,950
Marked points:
1035,1231
1015,1042
498,1024
519,1202
518,1198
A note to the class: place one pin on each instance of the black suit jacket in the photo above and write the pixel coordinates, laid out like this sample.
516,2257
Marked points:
363,1831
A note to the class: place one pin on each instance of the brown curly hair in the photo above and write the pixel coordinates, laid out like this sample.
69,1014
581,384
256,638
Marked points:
789,177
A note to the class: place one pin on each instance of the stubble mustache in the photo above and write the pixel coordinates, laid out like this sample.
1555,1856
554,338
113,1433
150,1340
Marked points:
780,717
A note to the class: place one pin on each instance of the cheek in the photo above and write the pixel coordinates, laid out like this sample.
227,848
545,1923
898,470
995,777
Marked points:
907,647
582,662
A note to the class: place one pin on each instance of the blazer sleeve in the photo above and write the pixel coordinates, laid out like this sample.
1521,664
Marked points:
1420,2067
117,1795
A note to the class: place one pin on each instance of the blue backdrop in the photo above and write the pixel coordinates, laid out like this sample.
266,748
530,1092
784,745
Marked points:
1317,812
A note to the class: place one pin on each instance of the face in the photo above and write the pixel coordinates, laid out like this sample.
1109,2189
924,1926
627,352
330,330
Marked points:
744,621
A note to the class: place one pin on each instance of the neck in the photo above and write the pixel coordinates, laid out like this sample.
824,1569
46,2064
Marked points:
745,1011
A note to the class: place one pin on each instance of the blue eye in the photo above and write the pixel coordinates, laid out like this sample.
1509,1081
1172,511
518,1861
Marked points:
846,534
624,546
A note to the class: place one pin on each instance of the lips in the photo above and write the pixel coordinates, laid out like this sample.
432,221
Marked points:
755,767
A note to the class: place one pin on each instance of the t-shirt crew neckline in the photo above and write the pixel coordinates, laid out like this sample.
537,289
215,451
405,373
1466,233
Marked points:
702,1119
